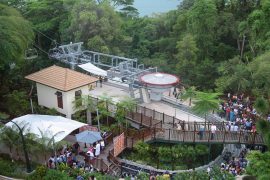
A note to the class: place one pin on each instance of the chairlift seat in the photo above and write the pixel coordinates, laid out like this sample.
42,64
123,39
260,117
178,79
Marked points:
31,54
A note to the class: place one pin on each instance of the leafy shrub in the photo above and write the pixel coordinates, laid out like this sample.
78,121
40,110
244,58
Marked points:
41,171
11,169
56,175
7,168
99,176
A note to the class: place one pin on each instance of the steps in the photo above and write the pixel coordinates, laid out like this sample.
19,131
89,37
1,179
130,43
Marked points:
115,170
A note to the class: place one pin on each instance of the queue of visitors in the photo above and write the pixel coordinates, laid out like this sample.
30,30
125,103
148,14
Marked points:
235,165
239,112
69,155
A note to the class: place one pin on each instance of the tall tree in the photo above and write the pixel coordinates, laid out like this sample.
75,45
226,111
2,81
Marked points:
202,20
236,78
15,35
97,25
49,18
187,56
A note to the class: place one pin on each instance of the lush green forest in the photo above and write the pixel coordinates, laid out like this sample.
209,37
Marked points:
214,45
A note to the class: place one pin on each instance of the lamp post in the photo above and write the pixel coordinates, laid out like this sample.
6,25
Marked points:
28,165
98,120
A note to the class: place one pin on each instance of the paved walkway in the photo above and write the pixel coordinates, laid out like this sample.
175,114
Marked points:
172,111
118,93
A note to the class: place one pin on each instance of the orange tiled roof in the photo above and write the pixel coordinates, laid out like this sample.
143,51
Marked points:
60,78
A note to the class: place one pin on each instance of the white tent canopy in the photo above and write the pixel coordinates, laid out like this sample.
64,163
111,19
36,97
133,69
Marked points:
89,67
56,126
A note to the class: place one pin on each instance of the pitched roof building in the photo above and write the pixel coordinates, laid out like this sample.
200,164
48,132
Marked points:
58,87
61,78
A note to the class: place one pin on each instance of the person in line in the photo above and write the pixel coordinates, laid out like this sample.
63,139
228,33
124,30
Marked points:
201,132
97,152
213,131
102,145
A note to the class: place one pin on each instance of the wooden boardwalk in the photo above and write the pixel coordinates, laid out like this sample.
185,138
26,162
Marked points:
189,132
158,123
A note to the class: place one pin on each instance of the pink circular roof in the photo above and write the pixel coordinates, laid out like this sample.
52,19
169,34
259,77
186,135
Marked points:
159,79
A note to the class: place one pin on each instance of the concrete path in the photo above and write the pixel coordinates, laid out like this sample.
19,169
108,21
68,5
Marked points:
118,93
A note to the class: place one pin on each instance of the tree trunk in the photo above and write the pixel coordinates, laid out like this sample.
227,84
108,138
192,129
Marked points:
189,101
89,117
242,47
10,153
45,158
18,155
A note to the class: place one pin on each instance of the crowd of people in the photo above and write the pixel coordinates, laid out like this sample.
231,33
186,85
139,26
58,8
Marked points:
235,165
239,113
77,157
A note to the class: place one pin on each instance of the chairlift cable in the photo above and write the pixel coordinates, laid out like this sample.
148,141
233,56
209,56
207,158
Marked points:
40,49
53,40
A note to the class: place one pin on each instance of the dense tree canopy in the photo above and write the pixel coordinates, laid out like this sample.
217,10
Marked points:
211,44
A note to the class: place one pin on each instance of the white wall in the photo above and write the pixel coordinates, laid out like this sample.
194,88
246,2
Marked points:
47,98
71,97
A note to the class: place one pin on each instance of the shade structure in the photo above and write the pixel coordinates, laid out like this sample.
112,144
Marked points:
89,137
53,126
89,67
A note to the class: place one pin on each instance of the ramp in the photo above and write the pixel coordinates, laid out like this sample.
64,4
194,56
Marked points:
145,95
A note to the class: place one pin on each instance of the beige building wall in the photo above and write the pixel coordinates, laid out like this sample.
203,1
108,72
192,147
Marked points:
48,98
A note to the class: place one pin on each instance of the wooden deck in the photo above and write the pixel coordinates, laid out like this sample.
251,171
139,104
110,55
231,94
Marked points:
158,123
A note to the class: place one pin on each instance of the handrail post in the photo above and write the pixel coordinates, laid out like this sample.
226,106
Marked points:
194,132
154,114
239,138
144,109
184,135
224,135
163,117
169,134
173,121
209,133
254,137
141,118
154,133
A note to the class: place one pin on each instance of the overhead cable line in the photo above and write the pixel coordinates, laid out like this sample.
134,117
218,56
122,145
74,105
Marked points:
53,40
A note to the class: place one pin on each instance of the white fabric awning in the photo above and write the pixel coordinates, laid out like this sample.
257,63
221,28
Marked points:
56,126
89,67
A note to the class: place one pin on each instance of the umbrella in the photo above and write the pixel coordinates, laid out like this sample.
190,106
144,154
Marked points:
88,137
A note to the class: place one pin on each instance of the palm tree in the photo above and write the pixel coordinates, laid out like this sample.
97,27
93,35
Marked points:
103,103
46,142
189,93
85,103
206,102
9,137
263,127
262,106
125,105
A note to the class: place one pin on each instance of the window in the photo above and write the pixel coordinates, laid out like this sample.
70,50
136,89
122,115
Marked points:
59,99
78,98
